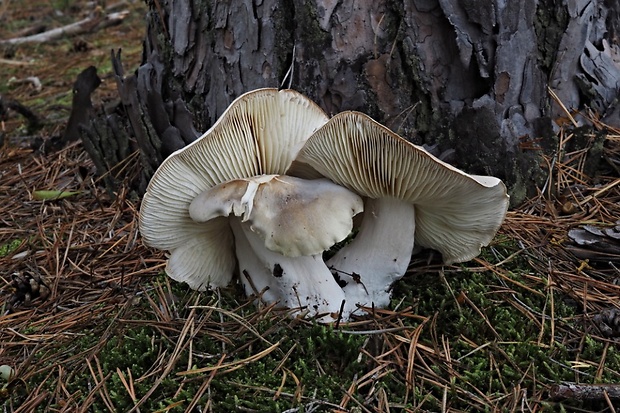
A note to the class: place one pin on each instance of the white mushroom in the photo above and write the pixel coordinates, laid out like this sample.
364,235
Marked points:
294,217
222,202
304,283
282,225
230,200
260,133
7,373
408,191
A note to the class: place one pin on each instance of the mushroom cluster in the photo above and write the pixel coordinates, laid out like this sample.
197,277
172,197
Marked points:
275,183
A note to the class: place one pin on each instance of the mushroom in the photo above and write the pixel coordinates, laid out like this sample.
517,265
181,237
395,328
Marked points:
281,226
225,194
410,197
7,373
274,183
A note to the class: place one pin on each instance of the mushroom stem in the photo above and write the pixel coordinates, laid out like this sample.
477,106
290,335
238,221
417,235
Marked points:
378,256
303,283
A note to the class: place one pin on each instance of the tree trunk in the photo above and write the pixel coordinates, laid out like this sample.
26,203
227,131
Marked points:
466,75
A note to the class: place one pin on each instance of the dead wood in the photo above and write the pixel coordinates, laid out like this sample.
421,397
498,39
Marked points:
596,243
81,107
589,392
14,62
34,121
29,31
97,21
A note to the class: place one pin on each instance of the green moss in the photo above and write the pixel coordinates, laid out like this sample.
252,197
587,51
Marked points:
9,247
550,25
494,342
314,37
62,5
320,361
284,20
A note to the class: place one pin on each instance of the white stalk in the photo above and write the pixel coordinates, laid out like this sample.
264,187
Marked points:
378,256
303,283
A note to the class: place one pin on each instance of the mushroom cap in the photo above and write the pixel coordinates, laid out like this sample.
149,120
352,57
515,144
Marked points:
259,133
204,259
294,217
456,213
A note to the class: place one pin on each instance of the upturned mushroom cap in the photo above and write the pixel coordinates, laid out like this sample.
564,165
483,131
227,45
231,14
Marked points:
455,213
294,217
259,133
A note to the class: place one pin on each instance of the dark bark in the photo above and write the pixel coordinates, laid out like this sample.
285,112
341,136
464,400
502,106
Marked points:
468,75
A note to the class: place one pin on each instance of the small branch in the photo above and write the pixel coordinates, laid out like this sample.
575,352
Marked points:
585,391
96,21
13,62
35,81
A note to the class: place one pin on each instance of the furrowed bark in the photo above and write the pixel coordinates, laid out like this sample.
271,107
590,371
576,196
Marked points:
472,76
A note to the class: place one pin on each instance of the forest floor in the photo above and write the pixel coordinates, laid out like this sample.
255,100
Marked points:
89,322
